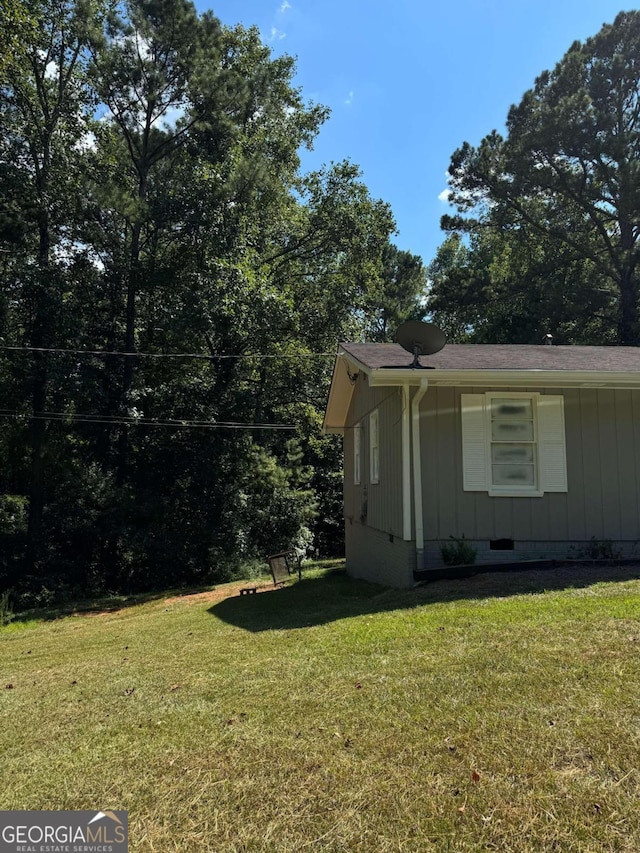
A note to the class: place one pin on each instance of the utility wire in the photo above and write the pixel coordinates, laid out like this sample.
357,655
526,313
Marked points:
192,355
109,420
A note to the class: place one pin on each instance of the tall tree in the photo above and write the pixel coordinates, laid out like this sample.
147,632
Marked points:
145,73
502,286
180,224
567,175
46,109
400,293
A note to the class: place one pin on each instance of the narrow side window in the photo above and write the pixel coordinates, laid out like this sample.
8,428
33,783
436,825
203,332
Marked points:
374,447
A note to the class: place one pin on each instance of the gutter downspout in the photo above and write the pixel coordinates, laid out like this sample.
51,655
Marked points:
406,463
417,472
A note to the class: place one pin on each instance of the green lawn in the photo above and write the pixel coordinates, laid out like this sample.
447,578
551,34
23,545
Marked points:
481,714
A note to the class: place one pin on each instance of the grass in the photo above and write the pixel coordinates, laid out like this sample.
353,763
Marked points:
478,715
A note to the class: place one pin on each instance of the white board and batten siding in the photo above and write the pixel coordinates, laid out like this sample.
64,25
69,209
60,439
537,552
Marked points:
589,468
375,501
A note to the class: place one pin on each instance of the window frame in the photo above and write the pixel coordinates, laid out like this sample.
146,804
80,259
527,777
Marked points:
357,454
513,491
374,447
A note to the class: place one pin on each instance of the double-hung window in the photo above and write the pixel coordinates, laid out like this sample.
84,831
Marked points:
513,443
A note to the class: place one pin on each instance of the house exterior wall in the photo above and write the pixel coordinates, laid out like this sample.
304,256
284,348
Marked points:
602,430
375,549
378,557
603,474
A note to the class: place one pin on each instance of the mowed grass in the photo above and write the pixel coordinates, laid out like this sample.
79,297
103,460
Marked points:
333,715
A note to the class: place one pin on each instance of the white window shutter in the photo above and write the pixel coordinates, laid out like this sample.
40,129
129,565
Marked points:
475,474
552,443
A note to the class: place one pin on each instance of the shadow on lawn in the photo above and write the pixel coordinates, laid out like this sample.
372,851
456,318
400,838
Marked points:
311,601
334,596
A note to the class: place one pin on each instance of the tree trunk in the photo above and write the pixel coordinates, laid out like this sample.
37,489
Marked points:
628,324
628,330
38,400
130,347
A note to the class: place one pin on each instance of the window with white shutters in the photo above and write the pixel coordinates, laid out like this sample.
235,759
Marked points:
513,444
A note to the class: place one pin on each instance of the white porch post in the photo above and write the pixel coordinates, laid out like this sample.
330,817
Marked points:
417,472
406,463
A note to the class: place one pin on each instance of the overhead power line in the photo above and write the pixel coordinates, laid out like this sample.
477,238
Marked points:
118,420
191,355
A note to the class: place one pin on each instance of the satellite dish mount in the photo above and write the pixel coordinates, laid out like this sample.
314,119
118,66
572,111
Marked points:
417,352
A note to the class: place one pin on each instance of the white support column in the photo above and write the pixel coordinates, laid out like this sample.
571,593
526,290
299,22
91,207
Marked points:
406,463
417,471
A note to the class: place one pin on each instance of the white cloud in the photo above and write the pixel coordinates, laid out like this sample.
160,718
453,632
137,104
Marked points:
276,34
285,5
349,99
445,195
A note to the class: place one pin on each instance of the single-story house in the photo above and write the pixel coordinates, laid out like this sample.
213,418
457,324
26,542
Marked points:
528,452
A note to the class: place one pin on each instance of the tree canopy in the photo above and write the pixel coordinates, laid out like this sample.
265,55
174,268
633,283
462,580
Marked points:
172,287
552,209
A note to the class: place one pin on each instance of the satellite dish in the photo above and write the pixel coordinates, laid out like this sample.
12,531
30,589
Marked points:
420,339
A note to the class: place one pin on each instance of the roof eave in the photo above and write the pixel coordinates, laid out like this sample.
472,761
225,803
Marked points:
345,368
496,377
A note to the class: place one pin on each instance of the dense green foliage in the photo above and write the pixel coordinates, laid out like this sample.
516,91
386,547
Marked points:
152,203
546,236
17,26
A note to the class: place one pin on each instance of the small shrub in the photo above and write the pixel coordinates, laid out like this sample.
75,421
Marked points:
38,597
458,552
600,549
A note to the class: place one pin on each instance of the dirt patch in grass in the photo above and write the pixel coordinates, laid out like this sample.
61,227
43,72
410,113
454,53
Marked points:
219,593
105,609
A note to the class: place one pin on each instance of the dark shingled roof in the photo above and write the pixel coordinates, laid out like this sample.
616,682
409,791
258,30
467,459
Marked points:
502,357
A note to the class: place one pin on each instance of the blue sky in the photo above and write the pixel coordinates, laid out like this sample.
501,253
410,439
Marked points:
408,82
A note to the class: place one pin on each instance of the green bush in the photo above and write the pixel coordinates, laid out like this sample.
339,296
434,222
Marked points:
458,552
600,549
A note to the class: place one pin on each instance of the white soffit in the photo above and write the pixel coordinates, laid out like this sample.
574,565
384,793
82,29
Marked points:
345,369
